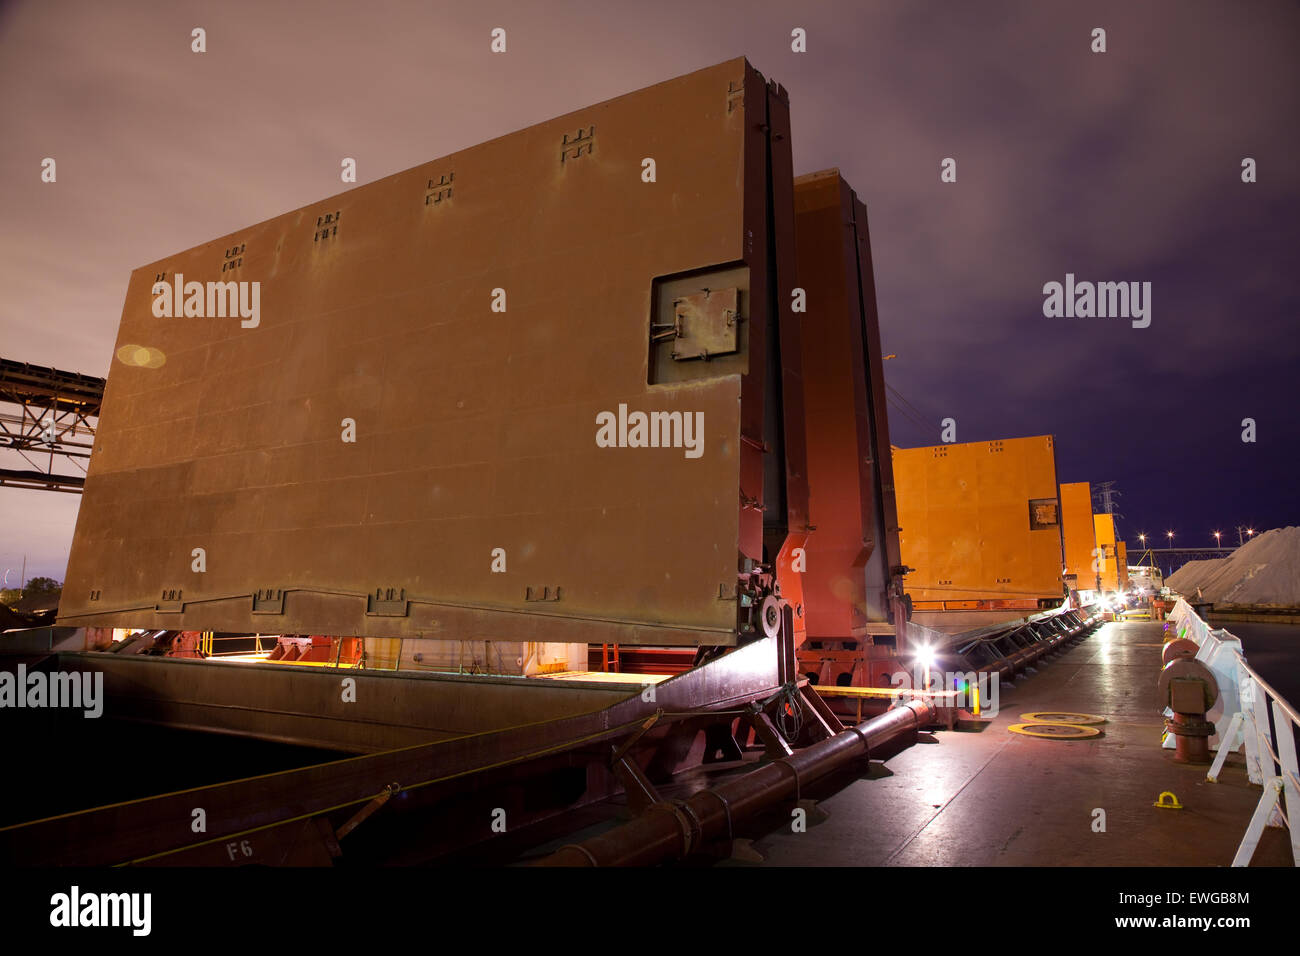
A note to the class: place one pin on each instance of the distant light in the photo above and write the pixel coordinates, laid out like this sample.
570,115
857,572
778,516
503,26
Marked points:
141,356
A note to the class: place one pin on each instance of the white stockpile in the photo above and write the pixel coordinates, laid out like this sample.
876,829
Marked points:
1265,570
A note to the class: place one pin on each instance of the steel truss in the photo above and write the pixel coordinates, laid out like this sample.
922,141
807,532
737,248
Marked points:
46,414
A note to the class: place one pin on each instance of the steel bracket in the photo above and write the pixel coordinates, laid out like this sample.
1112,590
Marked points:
268,601
171,602
388,602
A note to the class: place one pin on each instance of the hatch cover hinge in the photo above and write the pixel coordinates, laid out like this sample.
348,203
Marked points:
171,602
268,601
387,602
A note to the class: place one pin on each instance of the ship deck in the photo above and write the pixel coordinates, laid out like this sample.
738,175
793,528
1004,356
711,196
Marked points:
989,797
981,795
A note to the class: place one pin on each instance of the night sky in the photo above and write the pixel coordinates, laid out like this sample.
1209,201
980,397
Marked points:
1115,166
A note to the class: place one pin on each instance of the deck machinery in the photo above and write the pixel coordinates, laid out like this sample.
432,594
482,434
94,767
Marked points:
509,405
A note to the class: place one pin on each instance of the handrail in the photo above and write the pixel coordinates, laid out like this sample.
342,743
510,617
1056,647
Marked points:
1277,698
210,638
1248,701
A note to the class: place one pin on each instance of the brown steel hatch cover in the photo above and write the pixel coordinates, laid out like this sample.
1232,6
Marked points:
408,435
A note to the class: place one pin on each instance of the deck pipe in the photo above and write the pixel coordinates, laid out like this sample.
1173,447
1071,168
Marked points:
668,831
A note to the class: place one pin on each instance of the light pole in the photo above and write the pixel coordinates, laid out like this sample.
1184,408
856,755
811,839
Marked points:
1217,543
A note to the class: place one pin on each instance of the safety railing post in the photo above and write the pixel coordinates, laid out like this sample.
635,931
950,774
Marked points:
1259,741
1227,744
1286,755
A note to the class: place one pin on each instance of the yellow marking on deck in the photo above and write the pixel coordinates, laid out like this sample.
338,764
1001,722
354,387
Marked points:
264,659
941,698
1055,731
607,677
883,692
1061,717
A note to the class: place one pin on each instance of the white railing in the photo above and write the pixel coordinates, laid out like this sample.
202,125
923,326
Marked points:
1247,700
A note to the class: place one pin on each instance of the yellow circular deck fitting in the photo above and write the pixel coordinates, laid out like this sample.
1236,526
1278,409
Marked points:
1061,717
1055,731
1173,803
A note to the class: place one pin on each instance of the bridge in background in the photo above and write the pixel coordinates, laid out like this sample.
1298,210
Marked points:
46,415
1170,560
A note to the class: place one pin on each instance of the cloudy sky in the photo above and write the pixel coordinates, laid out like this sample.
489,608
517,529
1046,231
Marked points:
1123,165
